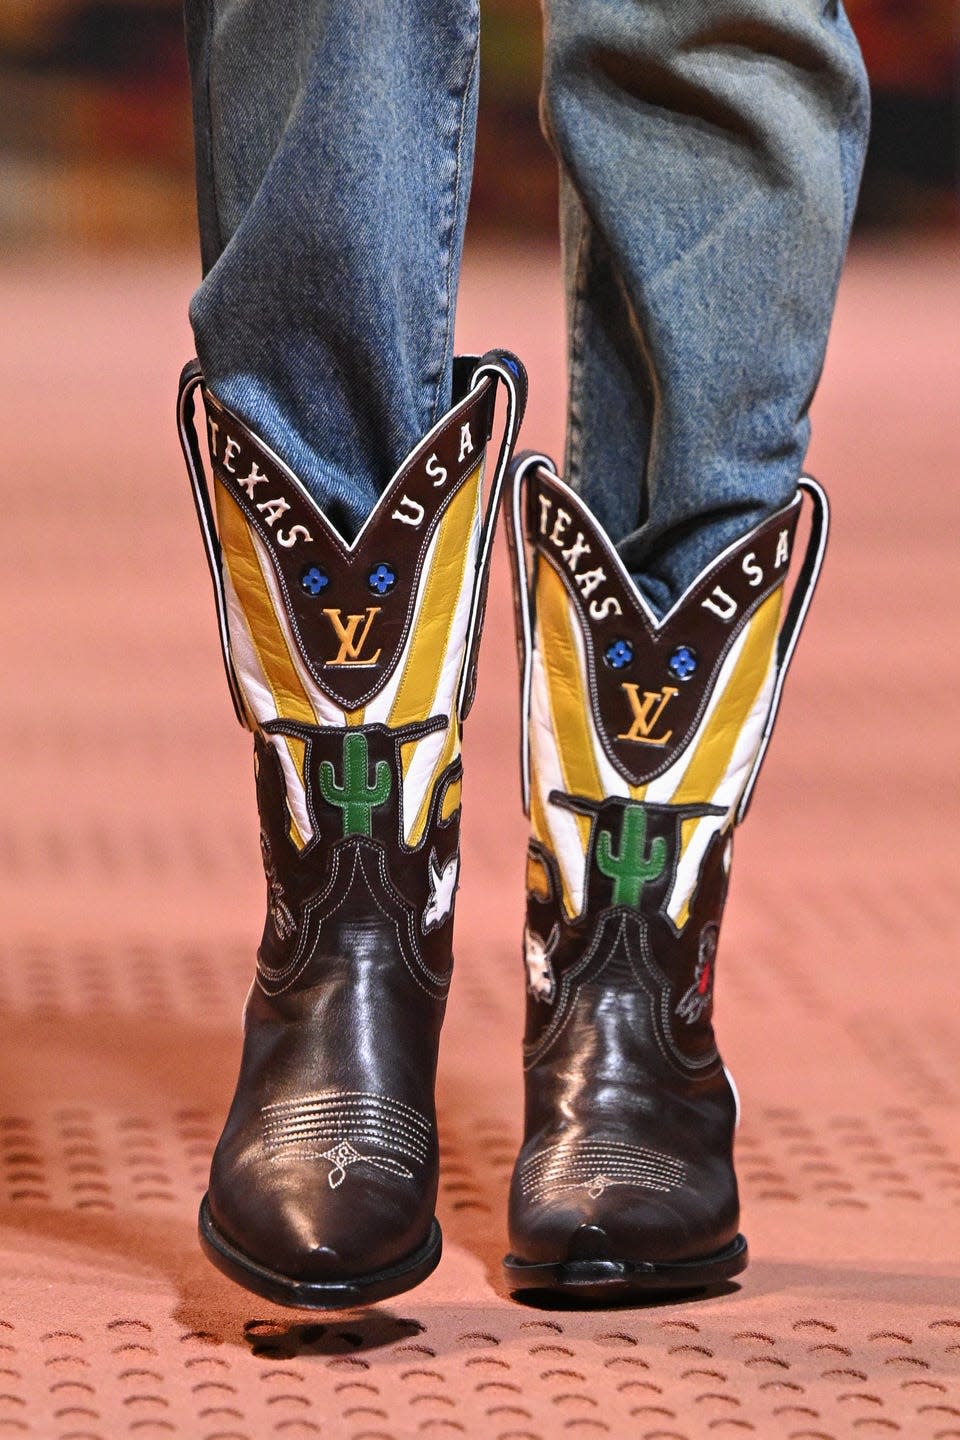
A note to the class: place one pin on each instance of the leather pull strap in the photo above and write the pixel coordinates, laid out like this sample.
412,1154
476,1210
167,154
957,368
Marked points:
793,622
191,379
522,466
506,368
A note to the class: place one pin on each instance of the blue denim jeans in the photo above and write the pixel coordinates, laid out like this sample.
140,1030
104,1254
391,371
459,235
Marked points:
710,153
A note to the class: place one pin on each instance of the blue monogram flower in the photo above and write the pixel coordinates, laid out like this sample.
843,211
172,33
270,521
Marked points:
313,580
381,579
682,662
618,654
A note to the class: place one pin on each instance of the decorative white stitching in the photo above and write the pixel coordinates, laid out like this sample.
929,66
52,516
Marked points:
596,1165
709,1063
287,1106
335,1125
296,967
563,1011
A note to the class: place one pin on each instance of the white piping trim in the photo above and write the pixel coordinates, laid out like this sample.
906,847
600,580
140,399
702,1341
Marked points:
793,624
407,463
511,425
658,624
524,607
190,379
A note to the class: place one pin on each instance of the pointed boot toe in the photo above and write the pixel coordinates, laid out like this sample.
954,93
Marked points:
289,1267
590,1242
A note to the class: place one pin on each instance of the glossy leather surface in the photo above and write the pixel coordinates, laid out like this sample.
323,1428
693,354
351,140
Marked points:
629,1116
353,666
341,1031
641,735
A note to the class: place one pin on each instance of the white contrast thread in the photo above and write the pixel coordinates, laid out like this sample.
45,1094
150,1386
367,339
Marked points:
596,1165
335,1125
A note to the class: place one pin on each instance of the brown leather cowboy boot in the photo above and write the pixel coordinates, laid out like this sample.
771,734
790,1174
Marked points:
354,666
642,743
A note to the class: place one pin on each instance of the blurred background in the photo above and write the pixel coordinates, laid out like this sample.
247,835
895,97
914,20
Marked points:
131,883
95,145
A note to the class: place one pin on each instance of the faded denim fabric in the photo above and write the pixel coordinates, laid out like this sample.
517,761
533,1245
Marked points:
710,153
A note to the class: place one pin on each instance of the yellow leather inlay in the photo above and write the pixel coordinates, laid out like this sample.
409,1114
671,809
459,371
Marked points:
566,687
451,799
266,631
428,646
714,750
538,880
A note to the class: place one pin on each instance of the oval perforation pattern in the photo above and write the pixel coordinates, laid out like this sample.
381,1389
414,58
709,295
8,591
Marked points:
134,899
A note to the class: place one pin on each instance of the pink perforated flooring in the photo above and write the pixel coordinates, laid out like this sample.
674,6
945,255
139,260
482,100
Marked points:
132,898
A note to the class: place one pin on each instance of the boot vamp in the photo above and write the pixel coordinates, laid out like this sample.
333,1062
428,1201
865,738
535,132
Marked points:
629,1151
327,1166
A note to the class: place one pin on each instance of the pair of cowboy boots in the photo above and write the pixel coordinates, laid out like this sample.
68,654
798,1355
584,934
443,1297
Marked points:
355,666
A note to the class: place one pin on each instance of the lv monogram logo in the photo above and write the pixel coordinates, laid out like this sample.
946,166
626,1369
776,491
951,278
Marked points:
352,637
647,713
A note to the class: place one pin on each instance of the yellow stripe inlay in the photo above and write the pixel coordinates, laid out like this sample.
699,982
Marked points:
538,881
298,754
451,799
266,632
566,686
428,646
715,748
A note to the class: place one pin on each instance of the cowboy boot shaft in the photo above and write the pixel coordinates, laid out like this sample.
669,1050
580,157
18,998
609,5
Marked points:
641,739
353,666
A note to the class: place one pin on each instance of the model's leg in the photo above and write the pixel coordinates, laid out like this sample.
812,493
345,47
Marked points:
334,143
710,152
334,148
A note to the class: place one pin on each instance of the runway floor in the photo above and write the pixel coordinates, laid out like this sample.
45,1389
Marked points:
132,902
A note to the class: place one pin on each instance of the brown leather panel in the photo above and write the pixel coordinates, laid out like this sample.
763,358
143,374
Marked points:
645,712
303,886
349,634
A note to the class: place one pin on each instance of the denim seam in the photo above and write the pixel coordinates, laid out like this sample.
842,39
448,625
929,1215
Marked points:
214,196
575,361
849,193
449,243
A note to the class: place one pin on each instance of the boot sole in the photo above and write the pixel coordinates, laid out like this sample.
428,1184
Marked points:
317,1294
620,1279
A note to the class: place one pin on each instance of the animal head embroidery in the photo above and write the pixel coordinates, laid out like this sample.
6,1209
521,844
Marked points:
443,887
541,981
699,997
280,912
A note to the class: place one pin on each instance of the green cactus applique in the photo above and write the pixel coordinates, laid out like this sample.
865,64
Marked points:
630,869
356,797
